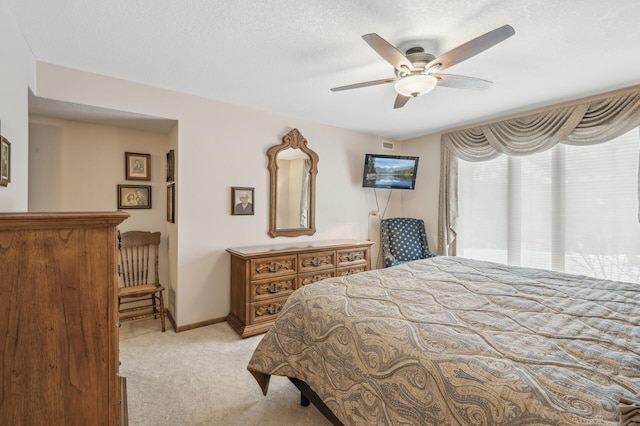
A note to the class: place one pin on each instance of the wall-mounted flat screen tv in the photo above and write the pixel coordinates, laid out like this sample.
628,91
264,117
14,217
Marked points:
389,171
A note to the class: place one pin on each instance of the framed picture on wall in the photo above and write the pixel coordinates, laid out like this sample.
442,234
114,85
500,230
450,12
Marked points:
134,196
5,162
171,166
137,166
241,200
171,203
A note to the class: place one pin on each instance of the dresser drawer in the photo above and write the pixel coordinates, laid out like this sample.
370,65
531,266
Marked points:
267,310
273,266
312,277
350,270
275,287
309,262
352,256
263,277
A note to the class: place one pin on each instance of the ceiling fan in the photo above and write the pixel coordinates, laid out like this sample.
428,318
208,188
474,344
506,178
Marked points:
418,72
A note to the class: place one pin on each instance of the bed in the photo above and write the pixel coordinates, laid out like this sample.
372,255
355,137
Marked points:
454,341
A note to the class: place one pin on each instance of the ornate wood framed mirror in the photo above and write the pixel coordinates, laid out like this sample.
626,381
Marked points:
292,175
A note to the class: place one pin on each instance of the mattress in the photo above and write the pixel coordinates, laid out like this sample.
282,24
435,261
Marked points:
454,341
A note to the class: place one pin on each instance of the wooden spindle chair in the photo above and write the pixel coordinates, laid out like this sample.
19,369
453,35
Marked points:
141,294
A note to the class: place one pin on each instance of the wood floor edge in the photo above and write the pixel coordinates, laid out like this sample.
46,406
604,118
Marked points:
195,324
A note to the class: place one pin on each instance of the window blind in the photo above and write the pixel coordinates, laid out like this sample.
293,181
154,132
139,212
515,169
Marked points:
572,208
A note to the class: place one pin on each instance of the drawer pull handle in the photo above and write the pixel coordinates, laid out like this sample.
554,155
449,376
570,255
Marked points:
351,257
274,309
273,288
274,267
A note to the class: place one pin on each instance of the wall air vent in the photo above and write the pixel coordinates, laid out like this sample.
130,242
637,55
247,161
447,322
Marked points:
387,145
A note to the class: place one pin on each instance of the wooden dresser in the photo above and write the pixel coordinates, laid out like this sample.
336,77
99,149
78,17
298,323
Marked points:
58,319
262,277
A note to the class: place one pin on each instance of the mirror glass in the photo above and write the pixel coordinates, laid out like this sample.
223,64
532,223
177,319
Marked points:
293,189
292,170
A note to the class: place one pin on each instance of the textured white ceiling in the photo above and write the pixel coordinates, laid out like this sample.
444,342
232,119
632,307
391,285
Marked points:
283,56
104,116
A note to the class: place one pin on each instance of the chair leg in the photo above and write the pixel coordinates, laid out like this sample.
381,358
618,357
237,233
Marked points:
157,306
153,302
162,312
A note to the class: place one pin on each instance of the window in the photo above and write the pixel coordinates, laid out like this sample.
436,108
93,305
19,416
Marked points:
571,208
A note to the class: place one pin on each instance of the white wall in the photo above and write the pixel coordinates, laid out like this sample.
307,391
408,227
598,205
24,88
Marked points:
219,146
172,235
76,166
423,201
16,75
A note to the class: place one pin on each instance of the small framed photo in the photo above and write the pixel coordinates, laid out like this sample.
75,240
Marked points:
137,166
171,164
241,200
134,196
5,162
171,203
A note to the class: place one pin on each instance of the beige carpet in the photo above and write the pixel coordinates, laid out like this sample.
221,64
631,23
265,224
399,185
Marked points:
199,377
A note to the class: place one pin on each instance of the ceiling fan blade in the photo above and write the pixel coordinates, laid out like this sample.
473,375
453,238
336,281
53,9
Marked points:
388,52
471,48
401,100
365,84
461,82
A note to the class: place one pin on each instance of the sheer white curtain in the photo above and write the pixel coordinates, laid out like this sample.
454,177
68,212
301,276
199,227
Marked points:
587,122
570,208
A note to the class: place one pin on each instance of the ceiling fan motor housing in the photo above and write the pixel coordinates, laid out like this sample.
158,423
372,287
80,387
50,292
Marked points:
418,59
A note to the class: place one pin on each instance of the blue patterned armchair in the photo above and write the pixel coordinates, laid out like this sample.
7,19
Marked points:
403,239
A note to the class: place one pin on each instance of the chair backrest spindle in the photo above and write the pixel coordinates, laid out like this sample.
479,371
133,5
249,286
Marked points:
136,249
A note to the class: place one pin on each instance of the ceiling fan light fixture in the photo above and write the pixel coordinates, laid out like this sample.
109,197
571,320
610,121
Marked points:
415,85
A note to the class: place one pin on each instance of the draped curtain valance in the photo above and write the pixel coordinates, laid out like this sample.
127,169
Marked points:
581,123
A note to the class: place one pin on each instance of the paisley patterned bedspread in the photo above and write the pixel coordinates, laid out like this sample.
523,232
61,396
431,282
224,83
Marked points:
453,341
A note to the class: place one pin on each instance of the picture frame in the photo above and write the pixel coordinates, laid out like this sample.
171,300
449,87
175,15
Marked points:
242,200
137,166
134,196
5,161
171,166
171,203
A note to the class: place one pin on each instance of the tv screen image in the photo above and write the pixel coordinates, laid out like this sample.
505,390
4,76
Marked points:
389,171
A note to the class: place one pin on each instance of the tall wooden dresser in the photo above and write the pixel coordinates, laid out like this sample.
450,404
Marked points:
263,277
58,319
